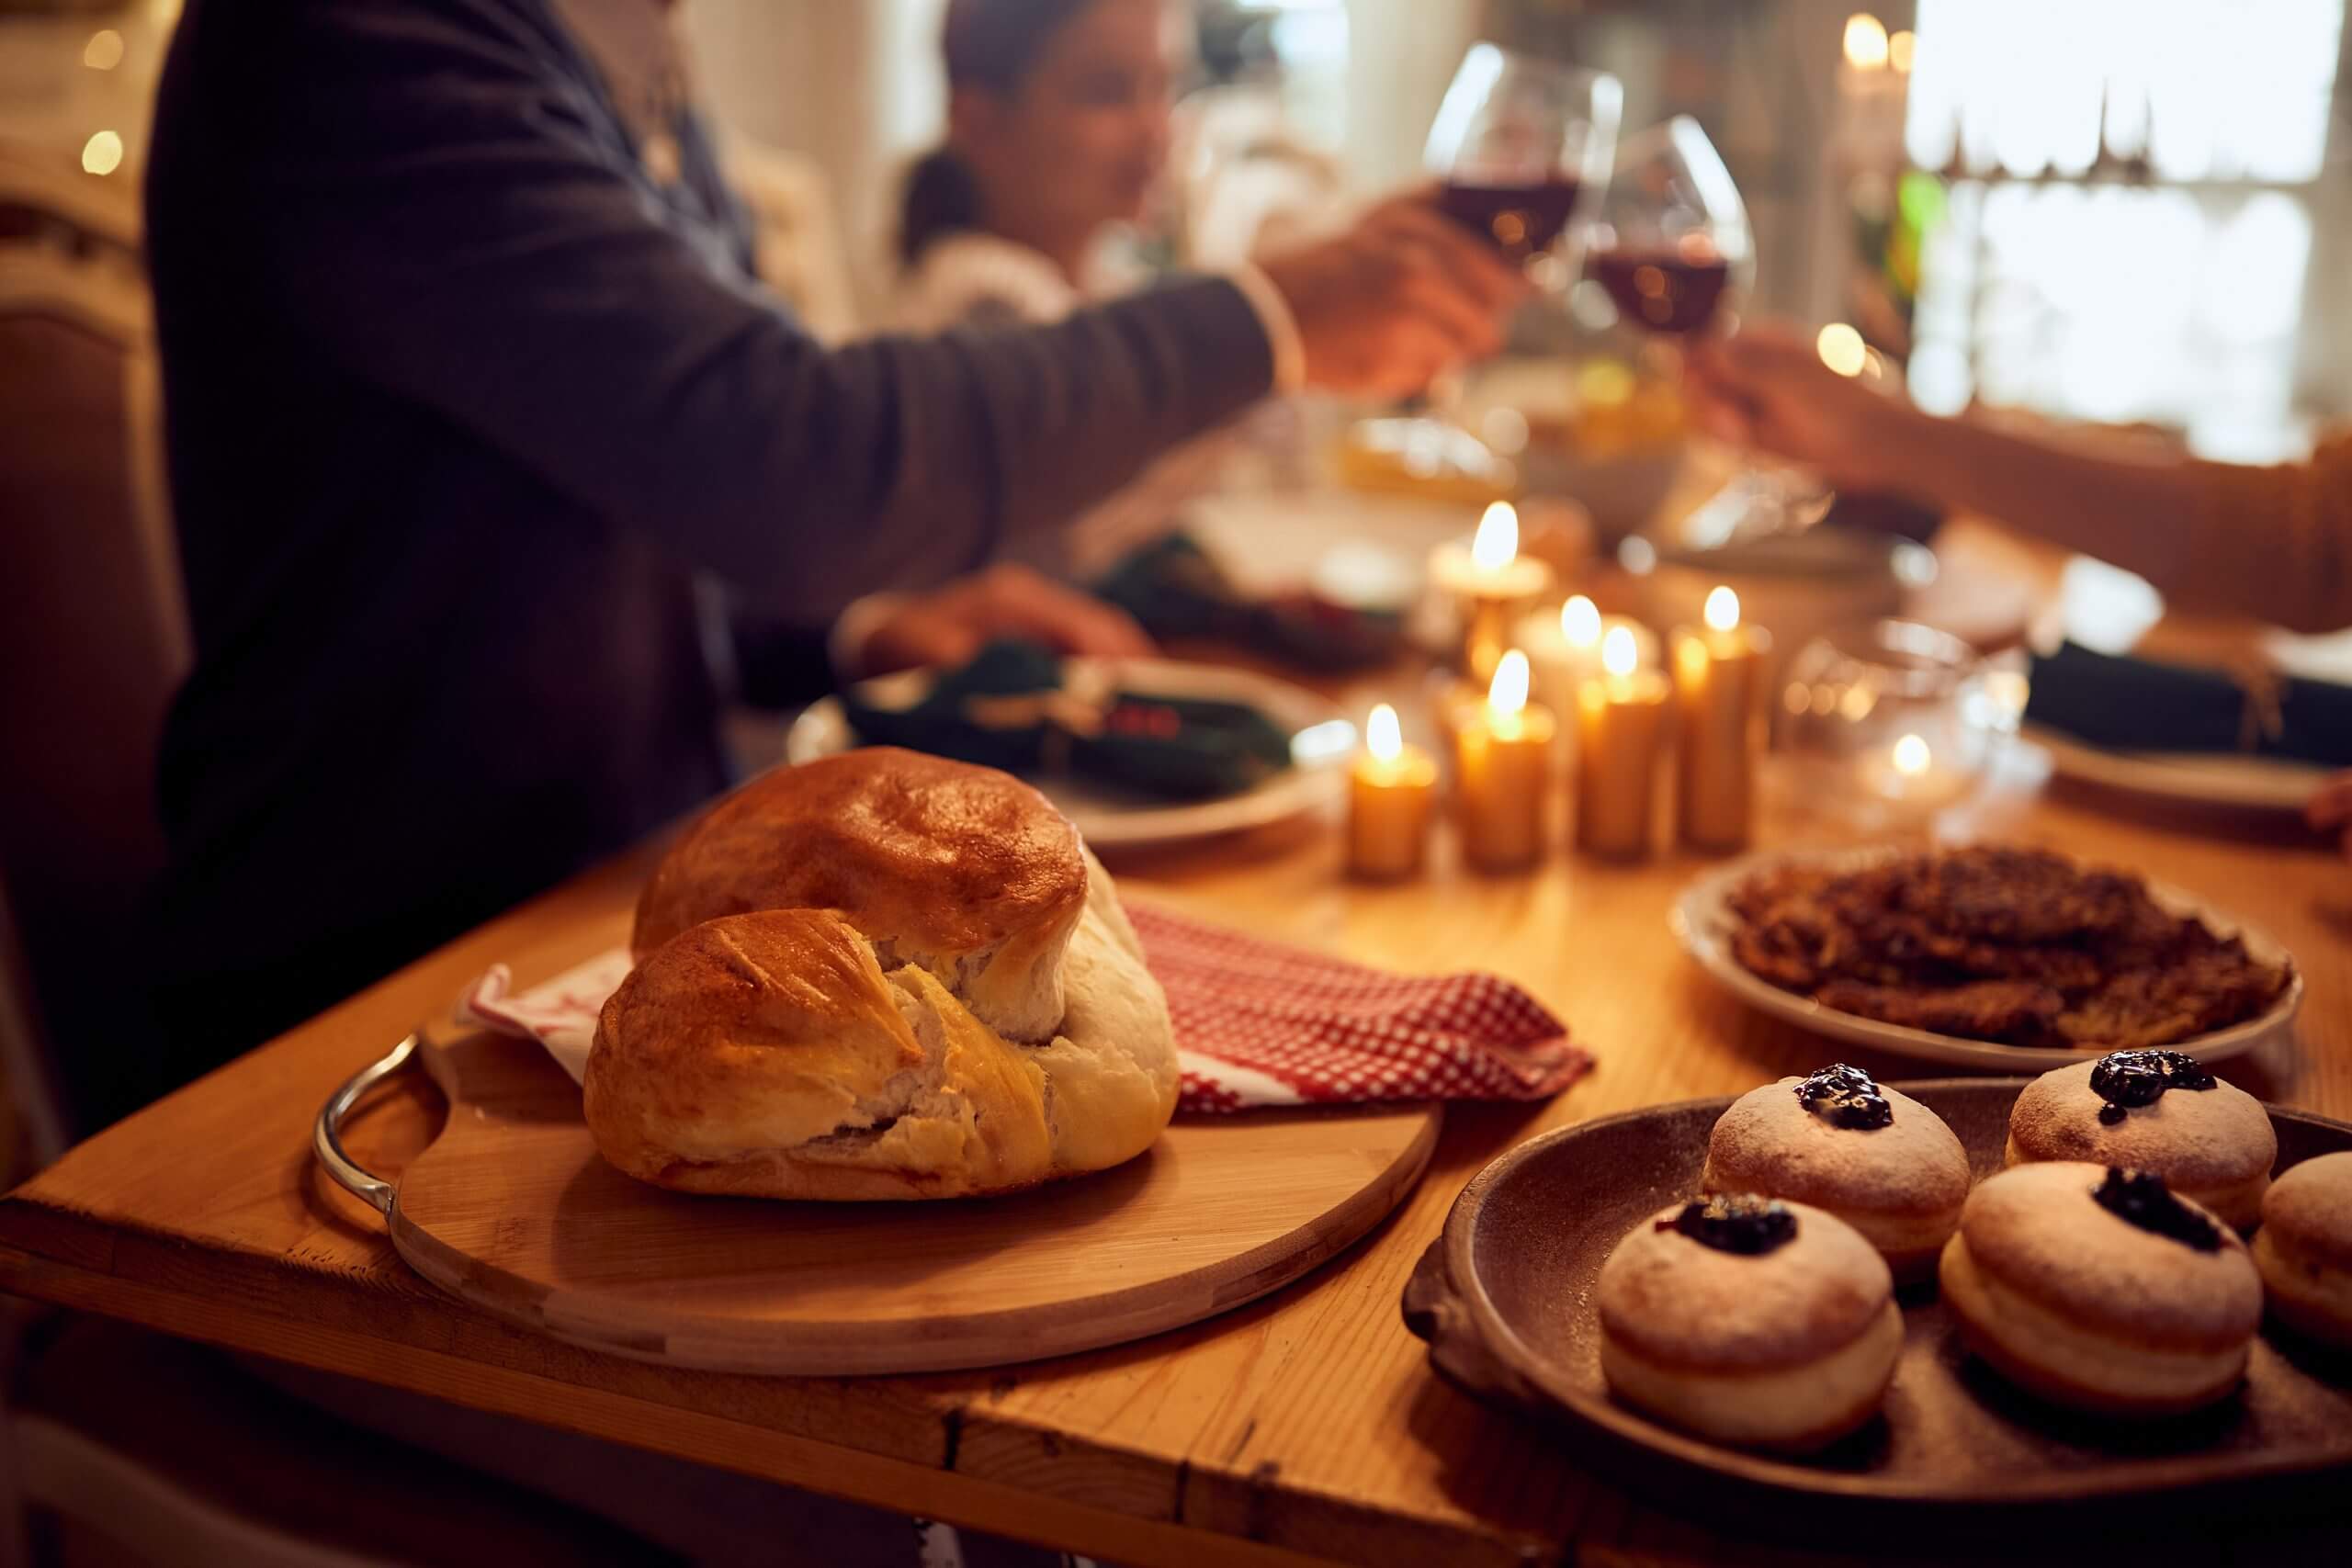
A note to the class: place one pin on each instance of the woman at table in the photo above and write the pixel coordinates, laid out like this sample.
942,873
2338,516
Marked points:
1058,139
2272,543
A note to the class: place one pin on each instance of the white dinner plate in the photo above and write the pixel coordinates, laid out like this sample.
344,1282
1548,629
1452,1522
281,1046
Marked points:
1703,920
2244,783
1322,740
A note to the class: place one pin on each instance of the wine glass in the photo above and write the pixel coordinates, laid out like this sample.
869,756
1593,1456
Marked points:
1670,246
1518,143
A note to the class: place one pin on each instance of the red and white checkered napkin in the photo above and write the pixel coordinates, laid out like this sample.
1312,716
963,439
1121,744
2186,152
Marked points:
1256,1023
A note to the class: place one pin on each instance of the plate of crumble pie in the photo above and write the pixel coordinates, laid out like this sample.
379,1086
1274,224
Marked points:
1991,956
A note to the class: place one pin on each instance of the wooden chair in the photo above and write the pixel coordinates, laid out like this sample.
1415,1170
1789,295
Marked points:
93,633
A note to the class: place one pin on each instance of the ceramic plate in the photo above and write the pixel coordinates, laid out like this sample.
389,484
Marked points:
1703,920
1322,741
2243,784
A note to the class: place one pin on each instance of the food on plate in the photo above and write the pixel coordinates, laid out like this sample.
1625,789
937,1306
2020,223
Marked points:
2155,1111
1749,1320
880,976
2099,1289
1873,1157
1992,942
1024,708
2304,1248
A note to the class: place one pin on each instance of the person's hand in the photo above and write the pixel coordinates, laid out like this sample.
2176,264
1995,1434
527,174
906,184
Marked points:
1404,294
948,627
1767,388
2330,810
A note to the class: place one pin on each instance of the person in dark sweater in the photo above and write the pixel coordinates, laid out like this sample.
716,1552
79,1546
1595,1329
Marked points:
478,425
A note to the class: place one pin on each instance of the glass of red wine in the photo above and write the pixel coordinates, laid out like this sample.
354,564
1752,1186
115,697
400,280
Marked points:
1518,146
1670,246
1518,143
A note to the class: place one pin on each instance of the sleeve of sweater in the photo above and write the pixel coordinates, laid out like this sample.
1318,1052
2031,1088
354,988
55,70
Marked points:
2272,542
440,213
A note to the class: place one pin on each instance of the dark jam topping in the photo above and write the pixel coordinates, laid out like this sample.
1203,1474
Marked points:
1845,1097
1751,1226
2126,1080
2142,1198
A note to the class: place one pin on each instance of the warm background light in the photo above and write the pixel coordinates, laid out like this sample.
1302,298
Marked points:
1581,621
102,154
1901,48
1382,737
1619,655
1865,41
1841,348
1496,543
104,51
1911,756
1508,695
1722,608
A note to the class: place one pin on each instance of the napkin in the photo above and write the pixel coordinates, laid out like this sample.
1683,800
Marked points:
2139,705
1174,587
1258,1023
1016,707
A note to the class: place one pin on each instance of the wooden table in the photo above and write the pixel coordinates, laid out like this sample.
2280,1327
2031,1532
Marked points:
1305,1426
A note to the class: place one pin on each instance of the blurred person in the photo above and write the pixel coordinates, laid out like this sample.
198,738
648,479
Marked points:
1057,135
1058,139
2272,543
486,450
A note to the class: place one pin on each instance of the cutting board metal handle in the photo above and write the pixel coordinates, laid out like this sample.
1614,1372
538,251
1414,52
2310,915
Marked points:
326,1134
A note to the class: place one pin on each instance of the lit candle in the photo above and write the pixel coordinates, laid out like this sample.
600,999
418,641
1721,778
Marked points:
1563,650
1390,796
1620,718
1491,584
1910,776
1719,692
1503,759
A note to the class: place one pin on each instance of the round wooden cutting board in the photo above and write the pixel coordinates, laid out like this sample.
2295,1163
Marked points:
513,1208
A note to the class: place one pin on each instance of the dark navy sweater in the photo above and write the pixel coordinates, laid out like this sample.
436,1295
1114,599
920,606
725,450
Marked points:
466,413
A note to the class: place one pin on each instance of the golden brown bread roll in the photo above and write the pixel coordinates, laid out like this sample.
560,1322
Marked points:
839,970
966,871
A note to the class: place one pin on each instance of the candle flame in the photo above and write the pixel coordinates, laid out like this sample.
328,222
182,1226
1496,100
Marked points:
1580,622
1865,42
1496,544
1912,756
1381,736
1619,654
1722,608
1508,692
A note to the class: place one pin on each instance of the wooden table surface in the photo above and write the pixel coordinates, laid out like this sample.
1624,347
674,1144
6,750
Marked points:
1305,1426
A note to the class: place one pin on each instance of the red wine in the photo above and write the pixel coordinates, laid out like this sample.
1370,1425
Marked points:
1523,218
1663,291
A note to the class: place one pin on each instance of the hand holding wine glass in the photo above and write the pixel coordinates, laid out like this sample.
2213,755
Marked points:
1766,388
1382,308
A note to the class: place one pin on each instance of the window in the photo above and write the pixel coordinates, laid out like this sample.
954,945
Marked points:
2129,233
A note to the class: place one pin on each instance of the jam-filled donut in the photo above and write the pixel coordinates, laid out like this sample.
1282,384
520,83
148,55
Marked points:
2304,1248
1873,1157
2157,1111
2101,1289
1750,1321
